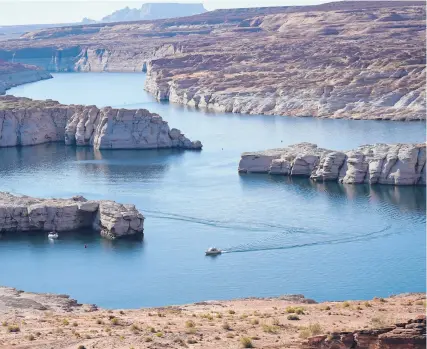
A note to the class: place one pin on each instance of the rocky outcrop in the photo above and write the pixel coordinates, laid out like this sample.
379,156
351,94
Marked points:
347,59
394,164
14,74
112,220
27,122
405,335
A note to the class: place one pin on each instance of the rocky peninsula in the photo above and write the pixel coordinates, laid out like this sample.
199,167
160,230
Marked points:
49,321
25,213
349,59
393,164
24,121
14,74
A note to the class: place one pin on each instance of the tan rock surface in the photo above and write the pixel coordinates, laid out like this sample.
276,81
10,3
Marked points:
51,321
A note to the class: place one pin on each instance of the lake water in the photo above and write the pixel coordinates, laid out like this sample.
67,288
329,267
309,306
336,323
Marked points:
326,241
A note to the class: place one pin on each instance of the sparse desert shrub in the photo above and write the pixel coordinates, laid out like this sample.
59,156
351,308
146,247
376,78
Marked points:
159,334
226,326
276,322
207,316
269,329
122,312
190,324
327,307
290,309
419,302
31,337
231,312
293,317
152,329
191,341
134,328
304,333
4,323
246,342
379,322
299,310
65,322
179,341
219,315
367,304
148,339
114,321
311,330
254,322
346,304
75,324
81,347
13,328
230,335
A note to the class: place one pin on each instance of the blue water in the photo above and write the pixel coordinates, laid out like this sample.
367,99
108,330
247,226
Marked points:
327,241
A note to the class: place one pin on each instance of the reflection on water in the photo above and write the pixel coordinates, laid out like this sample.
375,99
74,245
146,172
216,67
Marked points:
325,240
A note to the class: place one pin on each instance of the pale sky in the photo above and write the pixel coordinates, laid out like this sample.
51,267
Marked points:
14,12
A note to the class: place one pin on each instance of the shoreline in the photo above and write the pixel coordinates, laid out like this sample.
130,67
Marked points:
43,320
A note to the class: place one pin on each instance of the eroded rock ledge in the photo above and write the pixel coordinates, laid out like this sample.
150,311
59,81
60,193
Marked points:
410,334
394,164
24,121
25,213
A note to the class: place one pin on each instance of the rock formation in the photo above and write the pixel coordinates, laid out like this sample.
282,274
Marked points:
394,164
14,74
349,59
405,335
150,11
112,220
27,122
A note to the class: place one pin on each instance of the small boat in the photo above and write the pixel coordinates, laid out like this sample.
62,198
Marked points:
52,235
213,251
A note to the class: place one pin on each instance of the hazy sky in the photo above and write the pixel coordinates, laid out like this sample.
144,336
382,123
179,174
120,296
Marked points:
65,11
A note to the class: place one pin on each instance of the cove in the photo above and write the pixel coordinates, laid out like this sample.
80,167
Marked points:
326,241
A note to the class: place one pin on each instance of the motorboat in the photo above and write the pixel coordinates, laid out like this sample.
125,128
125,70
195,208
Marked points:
213,251
52,235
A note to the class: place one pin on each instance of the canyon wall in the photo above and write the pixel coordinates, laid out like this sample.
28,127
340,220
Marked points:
112,220
27,122
358,60
393,164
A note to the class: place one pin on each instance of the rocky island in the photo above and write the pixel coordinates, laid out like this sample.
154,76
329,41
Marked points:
349,59
24,121
25,213
35,320
394,164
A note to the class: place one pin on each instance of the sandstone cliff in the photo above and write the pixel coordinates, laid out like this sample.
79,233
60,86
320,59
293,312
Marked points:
27,122
358,60
13,74
112,220
394,164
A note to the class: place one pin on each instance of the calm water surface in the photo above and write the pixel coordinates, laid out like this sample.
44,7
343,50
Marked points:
327,241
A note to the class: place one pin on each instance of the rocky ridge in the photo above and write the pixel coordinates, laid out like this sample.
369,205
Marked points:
393,164
358,60
14,74
25,213
27,122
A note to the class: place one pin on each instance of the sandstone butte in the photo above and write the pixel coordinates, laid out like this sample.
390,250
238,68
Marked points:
44,321
24,121
394,164
350,59
26,214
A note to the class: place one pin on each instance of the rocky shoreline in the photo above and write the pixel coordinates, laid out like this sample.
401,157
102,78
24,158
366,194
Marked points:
24,121
12,74
49,321
392,164
111,219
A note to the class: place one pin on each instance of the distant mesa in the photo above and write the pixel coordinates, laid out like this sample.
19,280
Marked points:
155,11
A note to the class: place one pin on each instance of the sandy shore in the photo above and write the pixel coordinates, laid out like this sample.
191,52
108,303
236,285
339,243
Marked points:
30,320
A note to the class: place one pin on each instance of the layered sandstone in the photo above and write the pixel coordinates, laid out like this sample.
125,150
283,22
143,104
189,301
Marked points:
25,213
27,122
403,335
14,74
358,60
394,164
